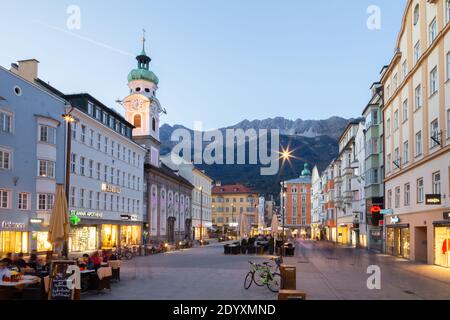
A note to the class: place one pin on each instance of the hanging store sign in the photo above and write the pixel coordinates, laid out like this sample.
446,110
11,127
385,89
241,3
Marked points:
395,220
375,209
110,188
433,199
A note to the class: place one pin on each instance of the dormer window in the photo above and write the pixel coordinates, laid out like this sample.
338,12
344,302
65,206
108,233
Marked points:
138,89
147,90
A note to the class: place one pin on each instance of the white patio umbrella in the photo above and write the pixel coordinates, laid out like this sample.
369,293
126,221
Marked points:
274,230
243,226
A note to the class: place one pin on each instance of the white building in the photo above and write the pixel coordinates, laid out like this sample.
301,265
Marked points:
201,194
106,178
316,203
345,165
357,187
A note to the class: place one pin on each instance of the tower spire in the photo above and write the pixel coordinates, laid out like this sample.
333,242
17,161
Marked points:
143,42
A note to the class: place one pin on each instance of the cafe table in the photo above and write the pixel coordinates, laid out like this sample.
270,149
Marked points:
84,279
26,281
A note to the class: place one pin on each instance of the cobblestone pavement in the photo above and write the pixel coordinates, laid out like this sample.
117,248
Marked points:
324,271
328,271
198,274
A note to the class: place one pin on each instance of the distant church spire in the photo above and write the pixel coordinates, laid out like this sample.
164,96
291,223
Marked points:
143,59
143,43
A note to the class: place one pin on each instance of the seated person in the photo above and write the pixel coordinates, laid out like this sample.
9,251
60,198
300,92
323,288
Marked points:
8,259
96,260
19,261
4,271
33,261
86,262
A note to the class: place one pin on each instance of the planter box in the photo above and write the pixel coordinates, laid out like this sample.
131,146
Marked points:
260,250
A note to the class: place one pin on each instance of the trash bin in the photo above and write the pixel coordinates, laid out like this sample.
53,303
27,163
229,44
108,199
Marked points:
226,249
288,277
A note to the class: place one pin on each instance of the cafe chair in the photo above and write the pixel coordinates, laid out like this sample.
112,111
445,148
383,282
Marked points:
101,280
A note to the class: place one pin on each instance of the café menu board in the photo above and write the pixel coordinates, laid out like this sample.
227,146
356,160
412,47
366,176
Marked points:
59,289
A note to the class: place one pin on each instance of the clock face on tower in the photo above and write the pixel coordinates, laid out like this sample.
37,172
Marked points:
136,102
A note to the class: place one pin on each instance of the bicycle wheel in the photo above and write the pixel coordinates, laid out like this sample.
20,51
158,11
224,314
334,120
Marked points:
248,280
258,277
274,282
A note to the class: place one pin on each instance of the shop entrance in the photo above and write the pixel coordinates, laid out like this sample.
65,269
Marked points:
343,237
420,245
442,246
171,229
397,241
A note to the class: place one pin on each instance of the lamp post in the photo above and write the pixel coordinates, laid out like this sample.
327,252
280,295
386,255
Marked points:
201,213
69,119
285,155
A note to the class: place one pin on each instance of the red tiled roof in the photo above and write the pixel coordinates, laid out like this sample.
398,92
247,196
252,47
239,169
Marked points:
231,189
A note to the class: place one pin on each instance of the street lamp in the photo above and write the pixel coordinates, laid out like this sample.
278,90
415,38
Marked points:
201,213
69,119
285,155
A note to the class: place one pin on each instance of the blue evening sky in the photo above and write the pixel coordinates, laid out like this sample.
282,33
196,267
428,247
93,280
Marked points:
219,61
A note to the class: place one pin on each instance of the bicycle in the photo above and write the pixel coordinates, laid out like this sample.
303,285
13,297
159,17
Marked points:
262,275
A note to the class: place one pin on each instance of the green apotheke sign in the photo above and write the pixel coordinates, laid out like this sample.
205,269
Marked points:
76,215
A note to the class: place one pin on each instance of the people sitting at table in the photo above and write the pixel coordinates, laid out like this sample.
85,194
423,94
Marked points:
8,259
4,271
33,260
86,262
19,261
96,260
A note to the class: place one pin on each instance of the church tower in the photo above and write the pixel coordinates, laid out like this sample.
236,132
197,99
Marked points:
142,108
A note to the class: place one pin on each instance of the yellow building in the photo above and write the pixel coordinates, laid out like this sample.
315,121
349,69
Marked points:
416,117
230,202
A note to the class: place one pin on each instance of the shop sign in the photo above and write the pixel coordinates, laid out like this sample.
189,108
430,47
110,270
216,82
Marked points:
36,221
395,220
110,188
433,199
447,215
386,211
9,225
87,214
129,217
375,209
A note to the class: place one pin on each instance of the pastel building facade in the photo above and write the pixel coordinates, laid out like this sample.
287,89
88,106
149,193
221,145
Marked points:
416,116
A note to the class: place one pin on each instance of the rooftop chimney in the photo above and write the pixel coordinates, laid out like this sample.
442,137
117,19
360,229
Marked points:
27,69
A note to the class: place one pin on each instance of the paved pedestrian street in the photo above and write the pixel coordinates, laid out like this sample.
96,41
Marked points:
324,271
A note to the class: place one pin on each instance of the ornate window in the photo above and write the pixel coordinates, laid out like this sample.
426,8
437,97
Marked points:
137,121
